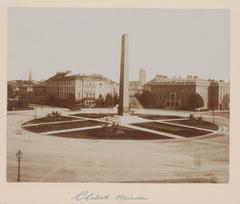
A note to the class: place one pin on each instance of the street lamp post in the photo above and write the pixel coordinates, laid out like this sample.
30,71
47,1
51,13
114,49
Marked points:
35,115
112,99
213,117
19,155
82,93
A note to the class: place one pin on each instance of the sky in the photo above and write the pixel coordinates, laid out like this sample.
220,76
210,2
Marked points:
172,42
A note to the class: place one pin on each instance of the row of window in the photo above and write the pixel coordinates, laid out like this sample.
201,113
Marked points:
173,90
91,95
60,82
64,94
67,88
174,83
172,104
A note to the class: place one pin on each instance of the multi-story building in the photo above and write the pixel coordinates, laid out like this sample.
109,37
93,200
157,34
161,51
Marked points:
223,95
174,93
219,96
33,93
28,91
136,87
38,94
142,77
84,88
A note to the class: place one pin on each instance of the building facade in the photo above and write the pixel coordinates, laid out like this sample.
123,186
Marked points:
136,87
83,88
38,94
174,93
142,77
219,95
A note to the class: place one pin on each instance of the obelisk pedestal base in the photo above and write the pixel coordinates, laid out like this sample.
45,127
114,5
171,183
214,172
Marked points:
128,119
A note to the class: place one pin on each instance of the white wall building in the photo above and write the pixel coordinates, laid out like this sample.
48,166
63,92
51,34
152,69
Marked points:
85,88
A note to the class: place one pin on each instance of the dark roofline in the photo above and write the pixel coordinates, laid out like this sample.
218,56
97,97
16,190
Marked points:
57,77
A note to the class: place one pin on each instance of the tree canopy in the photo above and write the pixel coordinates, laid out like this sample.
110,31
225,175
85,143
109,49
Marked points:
195,101
146,99
108,100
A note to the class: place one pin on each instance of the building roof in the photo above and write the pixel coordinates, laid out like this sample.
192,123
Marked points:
188,80
64,76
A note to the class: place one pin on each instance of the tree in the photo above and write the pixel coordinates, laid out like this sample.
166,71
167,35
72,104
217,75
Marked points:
213,104
225,101
12,96
70,101
10,91
108,100
100,102
22,102
146,99
51,100
138,96
115,100
195,101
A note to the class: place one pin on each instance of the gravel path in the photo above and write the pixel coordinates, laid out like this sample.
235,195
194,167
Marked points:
58,159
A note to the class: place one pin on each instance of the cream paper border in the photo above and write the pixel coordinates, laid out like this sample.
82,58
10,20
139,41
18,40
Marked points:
156,193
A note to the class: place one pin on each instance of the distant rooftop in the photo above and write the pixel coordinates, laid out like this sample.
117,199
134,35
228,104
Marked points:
189,79
67,75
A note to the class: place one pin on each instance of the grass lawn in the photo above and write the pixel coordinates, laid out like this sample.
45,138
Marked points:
45,119
93,115
21,109
196,123
158,117
224,114
176,130
62,126
124,134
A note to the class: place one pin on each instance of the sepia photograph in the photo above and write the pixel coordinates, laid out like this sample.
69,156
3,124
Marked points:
118,95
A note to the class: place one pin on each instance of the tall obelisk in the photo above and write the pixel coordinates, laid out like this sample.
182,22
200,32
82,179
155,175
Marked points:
123,108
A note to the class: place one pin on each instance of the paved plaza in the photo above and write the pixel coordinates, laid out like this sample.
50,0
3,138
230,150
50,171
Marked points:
49,158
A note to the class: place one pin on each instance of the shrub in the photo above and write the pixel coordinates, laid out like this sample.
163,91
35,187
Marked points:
54,115
191,116
195,101
110,128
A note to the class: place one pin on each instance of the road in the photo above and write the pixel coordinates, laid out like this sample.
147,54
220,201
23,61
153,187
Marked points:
57,159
